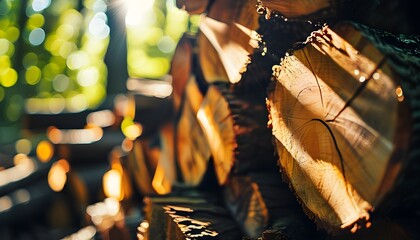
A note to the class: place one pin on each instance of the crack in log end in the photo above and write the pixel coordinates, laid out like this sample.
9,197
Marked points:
359,89
337,148
190,227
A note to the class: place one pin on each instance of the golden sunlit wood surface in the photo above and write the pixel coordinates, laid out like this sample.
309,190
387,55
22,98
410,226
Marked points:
165,175
181,67
337,112
211,65
154,168
143,165
216,120
229,27
191,148
244,198
193,151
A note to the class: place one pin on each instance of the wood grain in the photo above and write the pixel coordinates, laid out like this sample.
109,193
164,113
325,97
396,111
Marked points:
336,111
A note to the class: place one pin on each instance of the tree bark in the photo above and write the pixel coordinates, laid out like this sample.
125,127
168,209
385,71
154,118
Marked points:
318,10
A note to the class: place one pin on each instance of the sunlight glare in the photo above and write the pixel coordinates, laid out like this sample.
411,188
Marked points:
57,177
138,11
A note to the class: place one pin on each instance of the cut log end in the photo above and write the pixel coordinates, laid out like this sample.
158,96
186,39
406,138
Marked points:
192,150
336,118
216,120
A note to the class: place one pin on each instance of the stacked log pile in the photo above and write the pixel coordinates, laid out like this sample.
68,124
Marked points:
305,90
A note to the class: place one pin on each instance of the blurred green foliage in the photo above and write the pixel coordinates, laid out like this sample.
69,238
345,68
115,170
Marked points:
52,52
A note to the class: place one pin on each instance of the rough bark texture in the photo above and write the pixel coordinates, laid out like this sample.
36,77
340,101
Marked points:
318,10
238,117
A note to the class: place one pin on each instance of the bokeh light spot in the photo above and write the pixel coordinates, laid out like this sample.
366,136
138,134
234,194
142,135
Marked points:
65,164
37,37
4,46
12,34
57,177
56,104
94,94
23,146
36,21
60,83
50,70
13,110
99,6
77,60
4,64
66,31
33,75
166,44
39,5
112,181
5,202
44,151
30,59
98,26
77,103
9,77
67,48
22,196
88,77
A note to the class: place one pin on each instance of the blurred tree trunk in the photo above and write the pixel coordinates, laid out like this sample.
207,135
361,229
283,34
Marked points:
116,55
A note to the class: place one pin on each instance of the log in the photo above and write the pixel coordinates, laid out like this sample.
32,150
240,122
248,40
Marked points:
181,68
181,156
142,161
234,116
243,155
191,149
213,69
230,28
187,215
151,163
217,123
344,116
264,206
166,175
